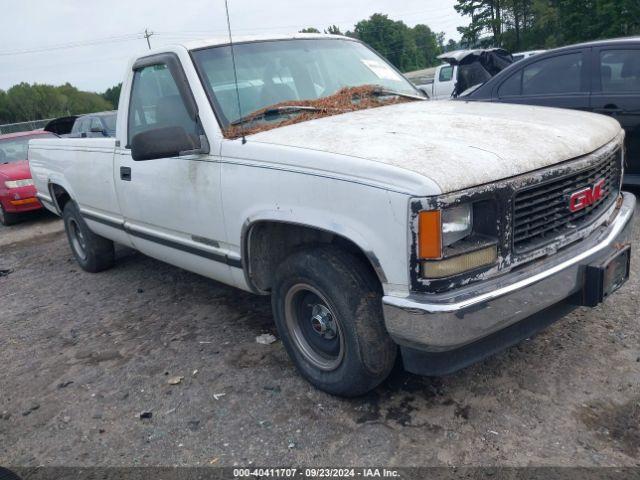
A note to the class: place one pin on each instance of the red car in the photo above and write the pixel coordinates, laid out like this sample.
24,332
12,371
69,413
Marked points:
17,193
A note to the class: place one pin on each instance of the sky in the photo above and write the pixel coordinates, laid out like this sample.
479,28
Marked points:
36,36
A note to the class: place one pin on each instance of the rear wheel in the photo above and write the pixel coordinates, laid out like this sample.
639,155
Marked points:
92,252
328,311
7,218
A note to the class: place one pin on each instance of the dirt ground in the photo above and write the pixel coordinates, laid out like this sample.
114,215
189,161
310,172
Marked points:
83,355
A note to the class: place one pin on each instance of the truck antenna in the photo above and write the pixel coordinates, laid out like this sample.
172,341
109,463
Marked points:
235,70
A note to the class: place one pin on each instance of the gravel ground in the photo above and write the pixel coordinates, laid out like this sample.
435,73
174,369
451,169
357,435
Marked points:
83,355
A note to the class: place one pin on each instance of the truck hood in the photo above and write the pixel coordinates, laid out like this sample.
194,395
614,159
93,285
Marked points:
15,171
455,144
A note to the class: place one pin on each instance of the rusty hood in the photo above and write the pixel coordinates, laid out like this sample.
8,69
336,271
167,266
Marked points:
456,145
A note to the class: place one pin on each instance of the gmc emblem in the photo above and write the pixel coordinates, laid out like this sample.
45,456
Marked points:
587,197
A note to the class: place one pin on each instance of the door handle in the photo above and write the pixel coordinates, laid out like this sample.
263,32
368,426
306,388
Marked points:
125,174
609,110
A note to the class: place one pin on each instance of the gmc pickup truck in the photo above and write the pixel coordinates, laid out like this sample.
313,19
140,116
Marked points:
380,224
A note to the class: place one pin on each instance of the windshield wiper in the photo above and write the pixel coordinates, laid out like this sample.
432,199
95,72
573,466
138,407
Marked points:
275,111
382,91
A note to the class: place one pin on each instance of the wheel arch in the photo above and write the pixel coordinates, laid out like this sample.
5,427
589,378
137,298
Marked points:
267,241
60,196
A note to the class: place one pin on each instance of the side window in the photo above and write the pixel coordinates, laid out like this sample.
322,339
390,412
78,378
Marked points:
96,125
156,103
446,74
80,125
511,87
620,71
561,74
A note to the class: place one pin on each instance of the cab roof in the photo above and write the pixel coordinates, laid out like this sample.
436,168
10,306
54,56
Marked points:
224,40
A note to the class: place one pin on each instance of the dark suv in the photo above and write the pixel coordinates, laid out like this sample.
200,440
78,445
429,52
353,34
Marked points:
601,77
102,124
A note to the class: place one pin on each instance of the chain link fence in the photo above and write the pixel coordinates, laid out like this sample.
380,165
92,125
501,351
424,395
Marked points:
23,126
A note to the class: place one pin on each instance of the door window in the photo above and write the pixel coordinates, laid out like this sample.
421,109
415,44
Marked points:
555,75
512,87
156,103
446,74
620,71
81,125
96,125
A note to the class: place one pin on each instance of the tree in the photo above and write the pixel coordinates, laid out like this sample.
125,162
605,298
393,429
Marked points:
333,30
407,48
451,46
485,17
428,44
4,107
24,102
310,30
112,95
532,24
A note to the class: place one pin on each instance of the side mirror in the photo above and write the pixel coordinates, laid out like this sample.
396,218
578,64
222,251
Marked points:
166,142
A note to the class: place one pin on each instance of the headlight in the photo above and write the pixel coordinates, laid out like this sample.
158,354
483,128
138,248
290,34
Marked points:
457,224
19,183
439,229
448,245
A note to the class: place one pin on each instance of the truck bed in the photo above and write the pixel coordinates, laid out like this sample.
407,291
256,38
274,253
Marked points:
57,160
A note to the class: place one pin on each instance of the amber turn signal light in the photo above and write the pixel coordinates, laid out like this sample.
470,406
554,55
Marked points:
430,235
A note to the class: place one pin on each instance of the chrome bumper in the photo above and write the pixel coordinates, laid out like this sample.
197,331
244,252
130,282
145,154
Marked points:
445,322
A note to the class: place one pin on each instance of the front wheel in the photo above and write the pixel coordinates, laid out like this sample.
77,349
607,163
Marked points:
328,312
92,252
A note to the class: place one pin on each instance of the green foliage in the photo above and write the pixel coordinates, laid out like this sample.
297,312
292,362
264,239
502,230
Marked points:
532,24
452,45
407,48
310,30
112,95
24,102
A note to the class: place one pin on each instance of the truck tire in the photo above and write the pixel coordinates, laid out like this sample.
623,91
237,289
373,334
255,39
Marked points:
6,474
92,252
328,311
7,219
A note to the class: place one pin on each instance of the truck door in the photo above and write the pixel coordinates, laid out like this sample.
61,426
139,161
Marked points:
616,93
171,206
444,82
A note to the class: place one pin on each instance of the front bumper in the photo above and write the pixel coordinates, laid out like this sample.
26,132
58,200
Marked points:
453,320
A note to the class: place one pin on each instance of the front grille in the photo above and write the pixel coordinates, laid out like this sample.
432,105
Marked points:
542,214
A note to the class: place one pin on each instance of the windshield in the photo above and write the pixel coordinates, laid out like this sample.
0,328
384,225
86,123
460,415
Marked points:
15,149
291,71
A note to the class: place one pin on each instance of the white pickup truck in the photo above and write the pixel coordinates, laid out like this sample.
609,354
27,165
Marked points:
464,70
380,223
